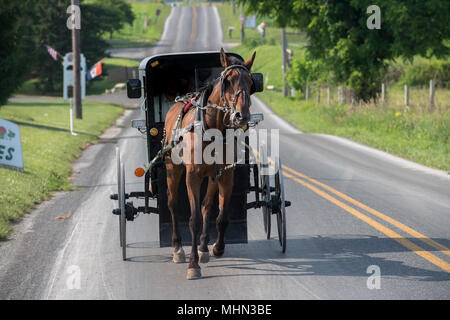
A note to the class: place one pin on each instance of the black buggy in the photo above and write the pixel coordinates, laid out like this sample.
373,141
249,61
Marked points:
195,70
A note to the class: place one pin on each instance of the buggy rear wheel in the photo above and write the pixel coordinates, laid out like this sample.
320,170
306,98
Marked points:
121,197
123,213
265,189
279,205
118,192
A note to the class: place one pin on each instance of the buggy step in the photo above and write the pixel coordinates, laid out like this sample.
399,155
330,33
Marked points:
115,196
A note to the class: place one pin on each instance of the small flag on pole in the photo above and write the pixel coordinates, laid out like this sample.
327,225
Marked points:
52,52
95,71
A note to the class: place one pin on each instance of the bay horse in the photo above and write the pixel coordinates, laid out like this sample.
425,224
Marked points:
233,86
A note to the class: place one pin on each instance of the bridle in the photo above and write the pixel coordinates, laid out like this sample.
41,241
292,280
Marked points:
225,108
237,93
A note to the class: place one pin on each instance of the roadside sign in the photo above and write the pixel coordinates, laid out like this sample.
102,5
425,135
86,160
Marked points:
10,145
250,22
241,18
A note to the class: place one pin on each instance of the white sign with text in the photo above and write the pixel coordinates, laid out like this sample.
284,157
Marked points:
10,145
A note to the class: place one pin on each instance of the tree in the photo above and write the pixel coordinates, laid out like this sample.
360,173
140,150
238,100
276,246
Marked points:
14,49
49,26
122,10
340,39
50,19
304,71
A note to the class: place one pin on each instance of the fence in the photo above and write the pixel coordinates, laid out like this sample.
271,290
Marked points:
428,98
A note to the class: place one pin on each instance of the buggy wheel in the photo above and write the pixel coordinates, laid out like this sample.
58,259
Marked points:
123,214
280,206
118,191
265,188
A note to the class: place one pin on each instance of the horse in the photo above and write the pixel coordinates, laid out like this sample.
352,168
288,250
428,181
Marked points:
233,85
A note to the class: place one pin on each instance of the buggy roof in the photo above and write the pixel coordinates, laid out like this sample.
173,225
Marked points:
204,59
185,71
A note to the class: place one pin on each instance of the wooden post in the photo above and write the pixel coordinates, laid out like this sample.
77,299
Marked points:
406,95
76,65
284,46
341,95
352,100
328,95
318,94
307,93
432,89
383,93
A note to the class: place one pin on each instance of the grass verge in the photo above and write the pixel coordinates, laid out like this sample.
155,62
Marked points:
146,29
48,151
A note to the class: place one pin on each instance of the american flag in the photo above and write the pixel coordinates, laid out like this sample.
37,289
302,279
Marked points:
53,53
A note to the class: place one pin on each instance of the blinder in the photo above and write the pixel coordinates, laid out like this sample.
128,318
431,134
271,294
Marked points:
257,83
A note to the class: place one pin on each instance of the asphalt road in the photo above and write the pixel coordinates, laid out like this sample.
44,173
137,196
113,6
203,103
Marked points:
354,210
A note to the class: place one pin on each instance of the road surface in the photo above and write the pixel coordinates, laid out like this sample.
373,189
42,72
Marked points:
356,214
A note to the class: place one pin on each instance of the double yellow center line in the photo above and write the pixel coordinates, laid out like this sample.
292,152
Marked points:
314,185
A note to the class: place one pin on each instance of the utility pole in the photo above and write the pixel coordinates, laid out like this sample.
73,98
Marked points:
76,61
284,45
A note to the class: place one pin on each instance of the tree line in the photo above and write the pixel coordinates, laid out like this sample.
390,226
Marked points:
344,50
27,26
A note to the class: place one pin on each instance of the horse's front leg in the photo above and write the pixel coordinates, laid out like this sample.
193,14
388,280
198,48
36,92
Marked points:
226,182
193,183
208,201
174,173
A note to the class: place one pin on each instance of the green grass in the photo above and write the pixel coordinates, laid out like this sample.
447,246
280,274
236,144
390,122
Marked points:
48,151
409,132
136,35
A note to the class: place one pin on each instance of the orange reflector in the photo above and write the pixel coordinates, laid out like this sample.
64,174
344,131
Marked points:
154,64
244,127
139,172
153,131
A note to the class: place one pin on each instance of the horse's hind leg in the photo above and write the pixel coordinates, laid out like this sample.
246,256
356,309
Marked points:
193,182
208,201
225,191
174,173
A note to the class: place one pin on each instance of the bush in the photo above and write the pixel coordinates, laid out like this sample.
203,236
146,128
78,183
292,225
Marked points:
304,71
421,73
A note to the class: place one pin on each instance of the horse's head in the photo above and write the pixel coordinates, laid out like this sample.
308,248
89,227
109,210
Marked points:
235,85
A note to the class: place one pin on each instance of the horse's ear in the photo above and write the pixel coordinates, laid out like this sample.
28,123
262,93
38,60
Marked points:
223,58
248,64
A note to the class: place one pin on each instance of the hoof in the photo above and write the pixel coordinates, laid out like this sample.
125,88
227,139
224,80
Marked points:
179,256
193,273
203,257
217,253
